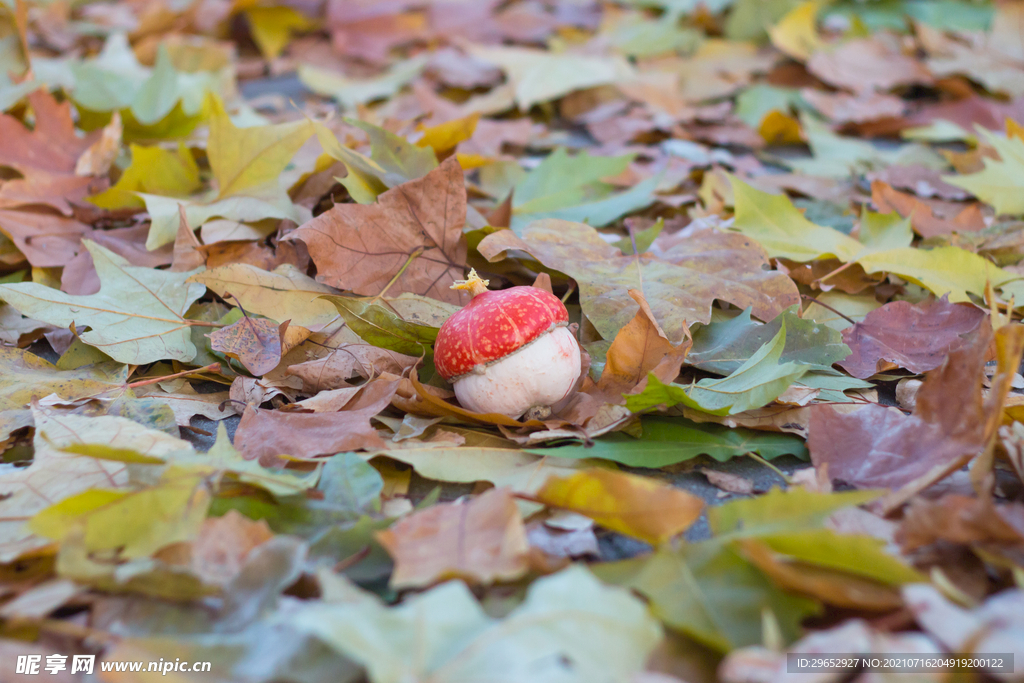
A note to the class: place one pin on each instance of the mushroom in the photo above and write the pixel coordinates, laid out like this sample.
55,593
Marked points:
508,351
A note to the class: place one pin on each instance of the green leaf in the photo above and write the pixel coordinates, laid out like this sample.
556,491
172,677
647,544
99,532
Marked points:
710,593
760,99
350,482
857,554
722,347
137,317
561,180
781,511
570,188
882,231
381,327
754,384
643,239
569,629
666,441
401,160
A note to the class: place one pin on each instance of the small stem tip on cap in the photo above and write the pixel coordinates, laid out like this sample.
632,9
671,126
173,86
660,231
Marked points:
474,283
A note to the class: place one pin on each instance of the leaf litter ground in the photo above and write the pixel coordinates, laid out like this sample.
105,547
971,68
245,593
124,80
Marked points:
789,233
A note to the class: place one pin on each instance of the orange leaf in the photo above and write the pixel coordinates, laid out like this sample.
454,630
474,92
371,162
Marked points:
481,542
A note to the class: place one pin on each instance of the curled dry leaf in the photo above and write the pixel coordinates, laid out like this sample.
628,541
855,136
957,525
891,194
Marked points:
480,541
346,362
270,435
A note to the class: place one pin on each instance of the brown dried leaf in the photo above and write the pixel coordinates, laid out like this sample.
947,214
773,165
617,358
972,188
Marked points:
866,64
346,362
928,218
639,348
218,553
678,277
414,229
268,435
876,446
481,542
860,108
47,240
916,337
255,342
960,519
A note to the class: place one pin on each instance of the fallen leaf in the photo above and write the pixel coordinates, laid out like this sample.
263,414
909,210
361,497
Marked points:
421,251
796,34
136,317
267,435
282,294
221,547
481,541
865,64
915,337
722,347
569,617
754,384
638,349
52,145
604,275
346,362
997,185
881,447
667,441
923,216
632,505
960,519
538,76
255,342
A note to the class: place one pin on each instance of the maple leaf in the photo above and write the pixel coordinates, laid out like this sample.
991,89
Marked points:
679,281
916,337
52,146
411,236
481,541
138,316
999,184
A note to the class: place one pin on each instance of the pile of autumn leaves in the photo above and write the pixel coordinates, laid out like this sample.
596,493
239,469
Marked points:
312,314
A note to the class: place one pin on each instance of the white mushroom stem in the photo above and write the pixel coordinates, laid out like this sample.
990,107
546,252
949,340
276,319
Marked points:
540,373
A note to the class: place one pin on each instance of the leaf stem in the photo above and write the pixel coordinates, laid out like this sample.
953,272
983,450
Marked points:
824,305
417,252
212,367
757,458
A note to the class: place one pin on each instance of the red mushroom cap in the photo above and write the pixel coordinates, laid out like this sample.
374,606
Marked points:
493,325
